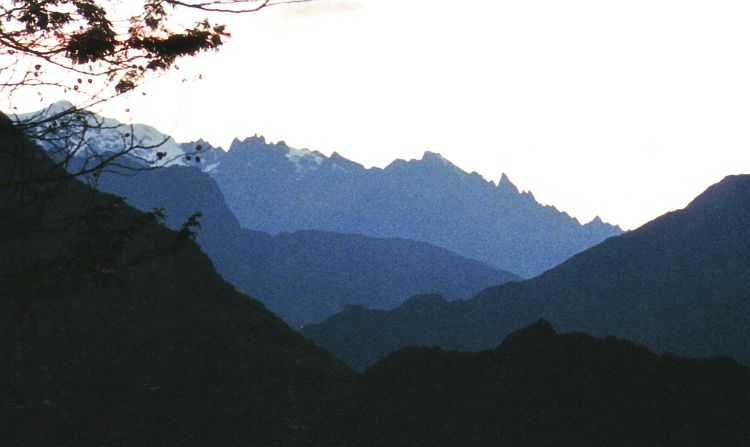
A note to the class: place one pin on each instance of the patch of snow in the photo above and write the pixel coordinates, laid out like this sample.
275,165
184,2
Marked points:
108,135
147,136
338,167
294,155
303,158
211,167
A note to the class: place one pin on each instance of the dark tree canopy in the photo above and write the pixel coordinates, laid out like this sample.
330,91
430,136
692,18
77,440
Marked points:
109,45
92,50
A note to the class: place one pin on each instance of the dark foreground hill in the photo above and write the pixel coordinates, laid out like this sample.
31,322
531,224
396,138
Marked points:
680,283
304,276
539,388
117,331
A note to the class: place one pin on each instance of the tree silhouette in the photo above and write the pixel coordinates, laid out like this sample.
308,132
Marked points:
95,50
92,50
108,45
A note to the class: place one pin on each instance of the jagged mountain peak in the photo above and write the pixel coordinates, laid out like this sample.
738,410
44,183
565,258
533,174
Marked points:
429,161
303,158
275,188
677,284
428,199
505,184
338,161
434,156
504,179
94,134
598,222
58,107
191,359
336,156
254,142
435,159
202,144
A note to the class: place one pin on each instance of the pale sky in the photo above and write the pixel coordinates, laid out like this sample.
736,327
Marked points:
622,109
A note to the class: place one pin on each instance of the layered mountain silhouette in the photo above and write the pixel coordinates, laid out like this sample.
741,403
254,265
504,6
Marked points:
680,283
303,276
117,331
539,388
275,188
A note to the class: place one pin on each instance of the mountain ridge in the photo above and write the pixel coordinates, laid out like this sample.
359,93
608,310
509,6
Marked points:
679,283
307,275
170,354
538,387
138,341
429,199
275,188
304,276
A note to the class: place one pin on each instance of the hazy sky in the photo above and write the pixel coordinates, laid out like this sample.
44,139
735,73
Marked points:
623,109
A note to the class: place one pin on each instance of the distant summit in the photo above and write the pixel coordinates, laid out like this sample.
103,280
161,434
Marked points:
436,158
148,347
506,184
92,135
302,160
275,188
304,276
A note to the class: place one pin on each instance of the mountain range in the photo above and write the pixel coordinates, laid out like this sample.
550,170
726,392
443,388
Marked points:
117,331
304,276
679,283
540,388
275,188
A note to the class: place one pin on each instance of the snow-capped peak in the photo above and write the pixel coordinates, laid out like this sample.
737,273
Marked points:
303,159
91,133
295,155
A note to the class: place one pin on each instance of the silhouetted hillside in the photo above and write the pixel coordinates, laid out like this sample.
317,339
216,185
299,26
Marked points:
304,276
275,188
539,388
116,331
680,283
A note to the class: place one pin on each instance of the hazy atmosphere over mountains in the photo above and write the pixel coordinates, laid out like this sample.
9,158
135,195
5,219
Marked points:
303,276
274,188
165,312
623,110
679,283
147,347
179,282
